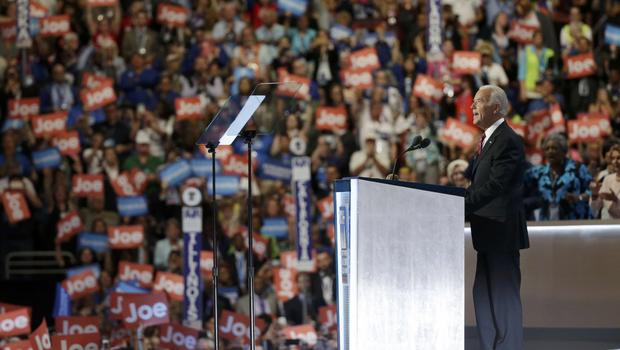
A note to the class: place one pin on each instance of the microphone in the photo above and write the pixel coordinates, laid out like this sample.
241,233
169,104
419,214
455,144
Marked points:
417,143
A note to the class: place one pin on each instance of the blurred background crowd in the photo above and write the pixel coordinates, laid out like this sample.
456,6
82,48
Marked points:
224,48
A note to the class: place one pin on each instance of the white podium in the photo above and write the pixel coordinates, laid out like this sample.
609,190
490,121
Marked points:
400,265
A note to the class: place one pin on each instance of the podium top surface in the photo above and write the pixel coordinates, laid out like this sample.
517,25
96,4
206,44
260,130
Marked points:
343,185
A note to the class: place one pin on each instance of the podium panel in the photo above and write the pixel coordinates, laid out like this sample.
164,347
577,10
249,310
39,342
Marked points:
400,265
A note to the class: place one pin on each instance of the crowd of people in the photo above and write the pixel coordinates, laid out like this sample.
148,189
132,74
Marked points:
224,48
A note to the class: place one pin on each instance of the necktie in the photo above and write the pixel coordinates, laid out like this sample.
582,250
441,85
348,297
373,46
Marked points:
480,144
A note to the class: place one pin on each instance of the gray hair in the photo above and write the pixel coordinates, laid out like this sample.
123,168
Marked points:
498,96
558,139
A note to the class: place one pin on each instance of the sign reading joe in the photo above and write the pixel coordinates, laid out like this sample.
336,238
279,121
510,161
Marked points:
301,189
192,244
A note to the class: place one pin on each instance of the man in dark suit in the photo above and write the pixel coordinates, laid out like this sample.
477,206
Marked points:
493,205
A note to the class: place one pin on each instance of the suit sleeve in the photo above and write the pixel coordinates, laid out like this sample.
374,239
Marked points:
505,165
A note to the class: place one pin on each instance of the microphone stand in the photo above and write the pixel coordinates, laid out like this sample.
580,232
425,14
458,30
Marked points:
215,277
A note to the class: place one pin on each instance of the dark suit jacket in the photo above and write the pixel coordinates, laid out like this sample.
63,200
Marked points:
494,204
293,308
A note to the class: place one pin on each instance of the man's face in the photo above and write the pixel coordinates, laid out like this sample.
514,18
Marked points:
58,73
324,261
614,159
485,112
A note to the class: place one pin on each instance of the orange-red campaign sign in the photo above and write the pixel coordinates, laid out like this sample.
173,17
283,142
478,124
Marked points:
8,30
55,25
360,79
299,87
544,122
522,33
102,3
98,97
18,345
8,307
145,309
15,323
92,80
288,260
459,133
171,15
206,263
24,108
188,108
116,305
579,66
237,326
587,130
366,59
285,283
331,119
40,338
328,317
81,284
68,226
49,124
428,88
170,283
259,245
124,184
326,207
120,337
76,341
519,128
67,142
304,332
126,236
177,337
85,185
143,273
466,62
37,10
15,206
236,164
70,325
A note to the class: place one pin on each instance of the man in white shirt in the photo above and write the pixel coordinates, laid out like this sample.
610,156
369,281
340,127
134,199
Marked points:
173,241
367,162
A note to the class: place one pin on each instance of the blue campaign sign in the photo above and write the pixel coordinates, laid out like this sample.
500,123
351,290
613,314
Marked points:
94,117
274,169
340,32
193,286
47,158
370,39
202,167
94,241
62,302
132,206
129,287
12,124
176,173
612,35
225,185
294,7
75,270
275,227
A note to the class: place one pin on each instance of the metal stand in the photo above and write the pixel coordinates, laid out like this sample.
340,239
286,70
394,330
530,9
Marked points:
215,273
248,135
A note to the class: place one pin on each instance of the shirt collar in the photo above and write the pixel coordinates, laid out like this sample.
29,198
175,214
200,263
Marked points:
491,129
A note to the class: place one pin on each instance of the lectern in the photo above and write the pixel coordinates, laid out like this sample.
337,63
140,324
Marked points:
400,265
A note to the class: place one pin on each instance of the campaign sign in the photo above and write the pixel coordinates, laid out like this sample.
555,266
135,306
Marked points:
326,207
8,31
120,337
102,3
360,79
24,108
177,337
339,32
206,263
237,326
275,227
95,268
331,119
130,287
274,169
236,164
225,185
579,66
49,124
612,35
192,278
37,10
587,130
428,88
40,338
55,25
15,206
126,236
202,167
132,206
522,33
47,158
141,273
328,317
77,341
365,59
18,345
285,283
305,333
68,226
295,7
85,185
98,97
539,125
15,323
70,325
175,173
458,133
67,142
123,185
300,90
170,283
12,124
260,245
171,15
92,81
188,108
95,241
301,191
288,260
81,285
62,302
144,309
466,62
